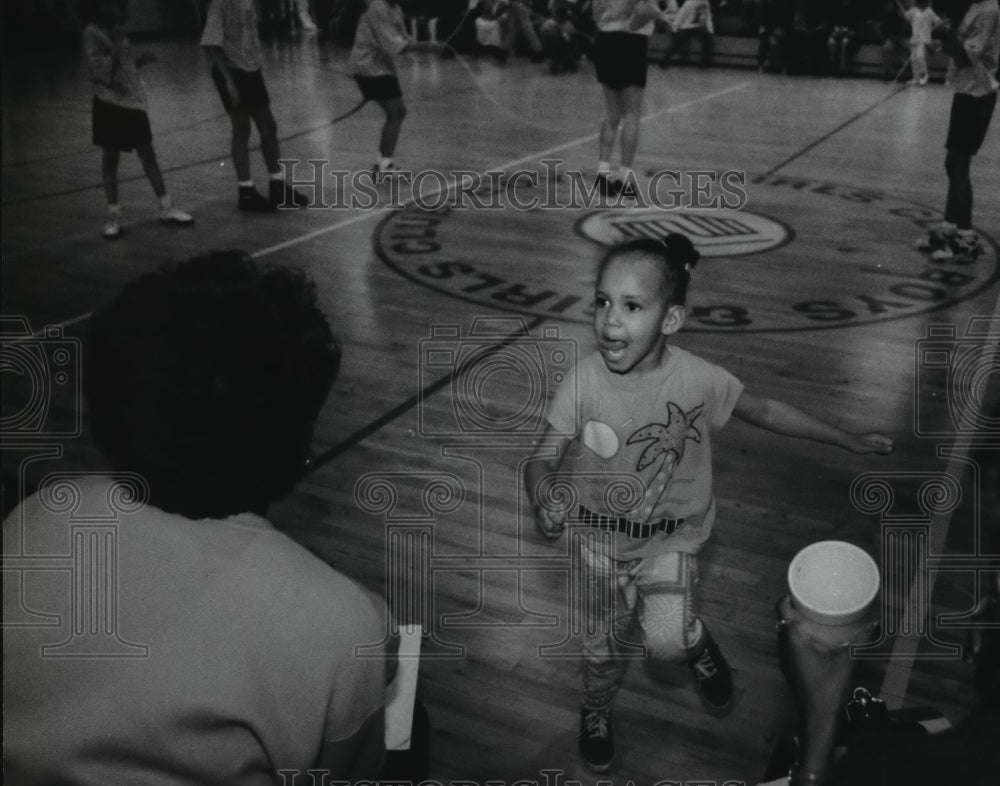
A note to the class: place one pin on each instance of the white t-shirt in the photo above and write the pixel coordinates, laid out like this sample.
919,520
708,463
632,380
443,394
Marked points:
231,25
249,660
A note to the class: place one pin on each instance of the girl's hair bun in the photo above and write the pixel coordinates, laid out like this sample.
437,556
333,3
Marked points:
681,250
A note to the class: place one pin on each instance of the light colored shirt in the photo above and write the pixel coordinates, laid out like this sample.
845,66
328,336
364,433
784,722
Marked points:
642,446
979,34
113,71
231,25
922,23
241,643
615,16
695,15
380,38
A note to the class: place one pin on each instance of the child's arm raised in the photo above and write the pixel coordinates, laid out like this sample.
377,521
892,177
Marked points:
782,418
544,461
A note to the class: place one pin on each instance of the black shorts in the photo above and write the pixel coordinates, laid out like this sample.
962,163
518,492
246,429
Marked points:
249,84
379,88
119,127
621,59
970,119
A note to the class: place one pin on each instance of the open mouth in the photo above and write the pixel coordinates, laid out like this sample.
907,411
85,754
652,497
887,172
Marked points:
613,350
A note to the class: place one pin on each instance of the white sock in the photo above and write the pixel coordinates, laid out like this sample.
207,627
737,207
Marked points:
604,167
384,163
276,176
246,184
166,202
115,211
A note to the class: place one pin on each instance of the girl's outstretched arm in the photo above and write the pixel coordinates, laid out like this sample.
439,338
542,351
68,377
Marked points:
782,418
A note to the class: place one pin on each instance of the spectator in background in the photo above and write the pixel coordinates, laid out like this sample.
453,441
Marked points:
923,22
774,21
561,41
845,21
693,21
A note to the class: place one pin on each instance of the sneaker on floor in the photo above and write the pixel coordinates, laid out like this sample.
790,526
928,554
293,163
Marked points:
252,201
112,228
922,82
961,245
715,680
936,237
597,742
283,196
172,215
606,186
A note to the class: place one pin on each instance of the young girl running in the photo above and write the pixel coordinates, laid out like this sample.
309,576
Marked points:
641,411
119,114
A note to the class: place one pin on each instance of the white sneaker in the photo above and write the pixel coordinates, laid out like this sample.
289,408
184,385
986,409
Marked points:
964,245
937,237
112,228
172,215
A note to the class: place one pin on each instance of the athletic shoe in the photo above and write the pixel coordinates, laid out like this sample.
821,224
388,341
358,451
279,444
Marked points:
922,82
252,201
597,742
961,245
283,195
715,680
172,215
112,228
936,237
606,186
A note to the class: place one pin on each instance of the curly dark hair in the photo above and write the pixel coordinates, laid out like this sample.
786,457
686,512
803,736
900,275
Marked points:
676,255
206,377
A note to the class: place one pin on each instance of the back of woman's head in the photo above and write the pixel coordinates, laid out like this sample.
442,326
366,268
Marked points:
206,378
674,255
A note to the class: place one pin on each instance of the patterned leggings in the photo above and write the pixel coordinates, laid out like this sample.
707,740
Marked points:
658,591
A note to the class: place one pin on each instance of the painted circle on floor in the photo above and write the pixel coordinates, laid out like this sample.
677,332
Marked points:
794,254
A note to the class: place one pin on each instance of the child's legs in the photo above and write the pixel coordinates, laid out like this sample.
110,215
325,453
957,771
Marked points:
608,609
240,119
109,173
267,127
918,60
958,205
667,609
395,113
614,108
632,106
152,168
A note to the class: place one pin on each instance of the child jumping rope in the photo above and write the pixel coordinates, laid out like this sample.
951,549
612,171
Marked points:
120,121
380,38
642,411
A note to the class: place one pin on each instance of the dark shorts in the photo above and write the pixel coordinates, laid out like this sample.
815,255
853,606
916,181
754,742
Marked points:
119,127
249,84
379,88
621,60
970,119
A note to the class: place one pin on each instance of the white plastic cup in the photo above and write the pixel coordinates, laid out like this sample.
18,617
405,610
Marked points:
833,585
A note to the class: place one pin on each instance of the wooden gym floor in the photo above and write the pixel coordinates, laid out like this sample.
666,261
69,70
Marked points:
831,313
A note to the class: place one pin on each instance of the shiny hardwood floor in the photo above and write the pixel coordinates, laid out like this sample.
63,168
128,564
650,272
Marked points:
814,296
